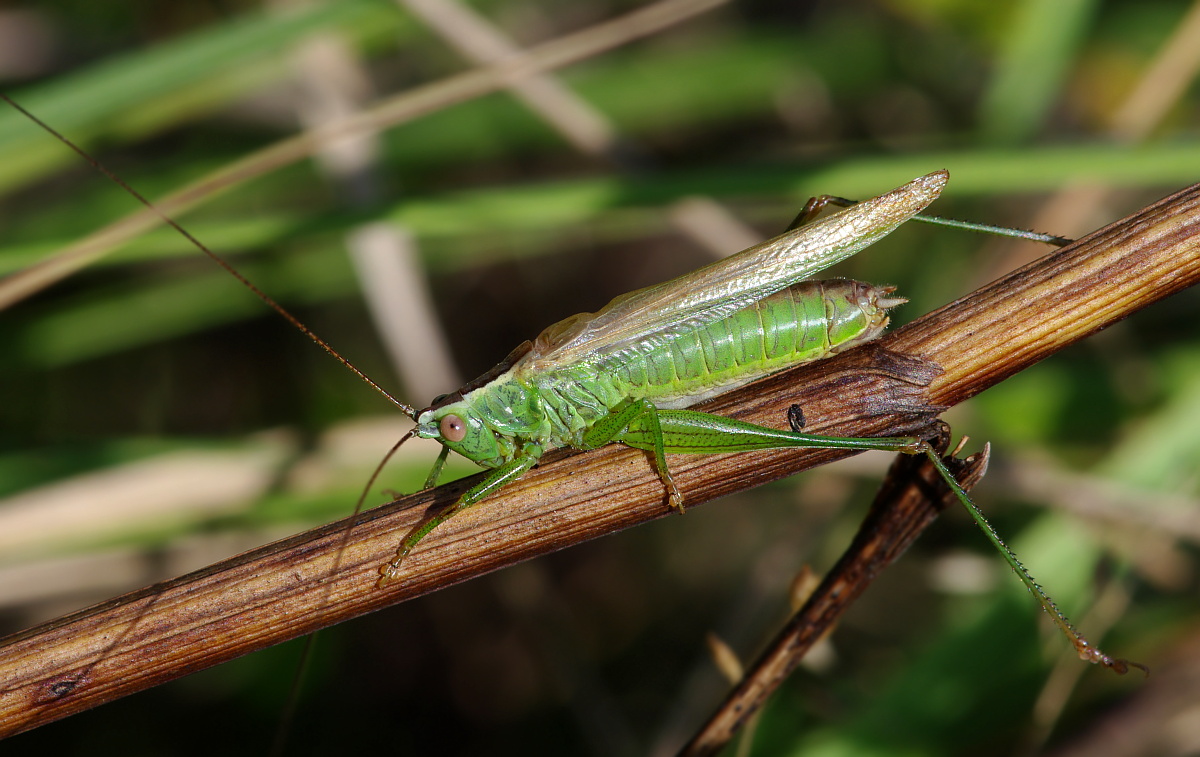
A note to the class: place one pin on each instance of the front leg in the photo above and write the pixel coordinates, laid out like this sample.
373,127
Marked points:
510,471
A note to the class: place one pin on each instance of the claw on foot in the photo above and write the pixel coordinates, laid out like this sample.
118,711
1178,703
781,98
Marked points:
674,498
387,574
390,573
1117,665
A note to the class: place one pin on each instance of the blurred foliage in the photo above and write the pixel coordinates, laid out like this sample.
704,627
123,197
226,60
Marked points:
153,351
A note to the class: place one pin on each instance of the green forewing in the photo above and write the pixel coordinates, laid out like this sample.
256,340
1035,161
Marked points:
647,319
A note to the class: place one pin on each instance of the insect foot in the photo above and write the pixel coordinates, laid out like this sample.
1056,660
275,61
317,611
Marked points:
390,573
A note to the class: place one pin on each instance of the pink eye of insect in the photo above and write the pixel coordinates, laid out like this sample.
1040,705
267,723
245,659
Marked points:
452,428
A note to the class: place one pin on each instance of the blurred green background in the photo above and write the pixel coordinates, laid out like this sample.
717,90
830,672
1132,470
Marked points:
157,417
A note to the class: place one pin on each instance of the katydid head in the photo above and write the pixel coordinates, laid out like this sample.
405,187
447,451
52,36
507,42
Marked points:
455,422
458,426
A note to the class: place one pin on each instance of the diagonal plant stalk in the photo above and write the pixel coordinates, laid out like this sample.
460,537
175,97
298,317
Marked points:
406,106
913,494
327,575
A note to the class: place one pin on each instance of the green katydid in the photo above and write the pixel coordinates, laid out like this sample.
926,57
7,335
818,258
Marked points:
627,373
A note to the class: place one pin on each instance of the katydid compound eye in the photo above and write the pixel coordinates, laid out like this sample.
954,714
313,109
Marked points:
452,428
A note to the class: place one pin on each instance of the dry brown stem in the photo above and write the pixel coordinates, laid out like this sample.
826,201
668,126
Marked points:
328,575
912,496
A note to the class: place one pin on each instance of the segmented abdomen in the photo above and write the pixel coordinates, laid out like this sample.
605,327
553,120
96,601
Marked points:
805,322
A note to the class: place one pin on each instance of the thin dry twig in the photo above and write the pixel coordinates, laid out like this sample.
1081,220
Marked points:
912,496
563,51
291,588
705,221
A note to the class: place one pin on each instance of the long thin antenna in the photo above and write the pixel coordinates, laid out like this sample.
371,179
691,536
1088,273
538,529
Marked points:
407,409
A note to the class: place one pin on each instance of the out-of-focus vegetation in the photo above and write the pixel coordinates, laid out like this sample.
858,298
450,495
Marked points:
157,417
